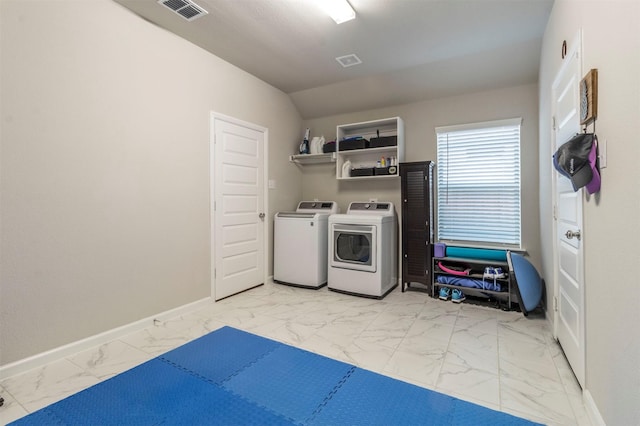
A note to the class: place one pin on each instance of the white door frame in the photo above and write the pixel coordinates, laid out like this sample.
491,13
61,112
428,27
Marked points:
575,49
212,195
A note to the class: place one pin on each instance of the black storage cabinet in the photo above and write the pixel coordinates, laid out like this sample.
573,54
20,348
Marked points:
416,180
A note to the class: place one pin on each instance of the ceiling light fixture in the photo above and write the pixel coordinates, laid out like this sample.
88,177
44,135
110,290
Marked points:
340,10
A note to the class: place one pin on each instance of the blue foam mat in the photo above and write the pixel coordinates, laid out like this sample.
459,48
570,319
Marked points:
301,380
476,253
381,400
230,377
151,394
210,355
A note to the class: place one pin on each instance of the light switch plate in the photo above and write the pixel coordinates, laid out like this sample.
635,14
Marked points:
602,150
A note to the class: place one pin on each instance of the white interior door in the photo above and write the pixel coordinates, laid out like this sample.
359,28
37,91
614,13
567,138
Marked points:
238,225
569,257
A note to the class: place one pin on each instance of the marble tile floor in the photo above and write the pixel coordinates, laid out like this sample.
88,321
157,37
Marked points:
501,360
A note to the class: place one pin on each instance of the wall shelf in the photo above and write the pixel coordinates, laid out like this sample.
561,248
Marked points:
394,176
368,157
303,159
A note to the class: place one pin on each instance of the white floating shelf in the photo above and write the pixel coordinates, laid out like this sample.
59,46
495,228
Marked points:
328,157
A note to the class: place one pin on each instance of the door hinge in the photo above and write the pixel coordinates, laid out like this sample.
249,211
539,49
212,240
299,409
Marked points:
214,206
555,304
553,122
555,212
214,273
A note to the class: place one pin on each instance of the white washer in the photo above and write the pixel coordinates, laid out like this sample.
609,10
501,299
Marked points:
300,244
363,250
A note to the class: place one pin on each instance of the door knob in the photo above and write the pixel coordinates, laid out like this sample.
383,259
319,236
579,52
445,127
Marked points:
571,234
261,215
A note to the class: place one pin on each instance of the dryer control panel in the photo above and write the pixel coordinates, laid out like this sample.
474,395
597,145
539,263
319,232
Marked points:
329,207
371,208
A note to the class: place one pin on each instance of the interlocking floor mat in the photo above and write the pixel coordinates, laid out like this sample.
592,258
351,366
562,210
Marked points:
231,377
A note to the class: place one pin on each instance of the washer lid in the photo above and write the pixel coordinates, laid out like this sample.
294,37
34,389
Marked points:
328,207
297,215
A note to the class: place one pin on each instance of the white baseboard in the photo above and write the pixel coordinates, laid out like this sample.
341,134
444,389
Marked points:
592,409
58,353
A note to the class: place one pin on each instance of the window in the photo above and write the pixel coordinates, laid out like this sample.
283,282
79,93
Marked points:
478,173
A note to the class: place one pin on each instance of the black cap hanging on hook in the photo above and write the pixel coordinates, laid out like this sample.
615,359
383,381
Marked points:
577,160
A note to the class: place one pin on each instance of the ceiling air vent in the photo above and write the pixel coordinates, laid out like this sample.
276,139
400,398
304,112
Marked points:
348,60
185,8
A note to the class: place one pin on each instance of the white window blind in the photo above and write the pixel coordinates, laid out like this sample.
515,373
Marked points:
479,183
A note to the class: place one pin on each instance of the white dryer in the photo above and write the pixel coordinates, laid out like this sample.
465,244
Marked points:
300,244
363,250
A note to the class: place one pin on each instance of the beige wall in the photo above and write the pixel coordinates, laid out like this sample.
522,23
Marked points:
104,173
105,168
420,120
611,43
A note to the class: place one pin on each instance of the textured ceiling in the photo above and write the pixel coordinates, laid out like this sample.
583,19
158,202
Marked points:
411,49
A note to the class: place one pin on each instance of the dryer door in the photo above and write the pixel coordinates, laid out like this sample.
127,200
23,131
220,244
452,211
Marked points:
353,247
